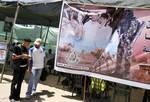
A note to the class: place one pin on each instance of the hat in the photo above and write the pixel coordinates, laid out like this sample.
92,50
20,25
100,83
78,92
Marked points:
37,43
38,40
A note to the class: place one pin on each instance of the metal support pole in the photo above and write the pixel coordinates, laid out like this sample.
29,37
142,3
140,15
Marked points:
6,35
46,37
41,32
10,40
84,91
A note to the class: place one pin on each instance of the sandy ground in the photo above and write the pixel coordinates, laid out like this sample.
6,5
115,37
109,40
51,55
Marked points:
45,93
49,91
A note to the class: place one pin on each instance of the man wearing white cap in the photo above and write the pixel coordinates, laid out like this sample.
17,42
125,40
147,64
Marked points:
37,55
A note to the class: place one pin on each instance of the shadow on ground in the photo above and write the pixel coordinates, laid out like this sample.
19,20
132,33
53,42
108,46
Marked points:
73,97
8,80
51,81
37,96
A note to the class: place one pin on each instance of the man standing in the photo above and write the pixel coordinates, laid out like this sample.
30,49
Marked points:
20,64
103,35
129,28
37,55
90,30
49,60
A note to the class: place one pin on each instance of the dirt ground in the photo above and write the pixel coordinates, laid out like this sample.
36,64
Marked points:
47,91
50,91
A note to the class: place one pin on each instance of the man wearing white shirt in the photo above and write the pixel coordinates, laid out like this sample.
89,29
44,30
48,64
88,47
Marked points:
90,30
37,55
103,35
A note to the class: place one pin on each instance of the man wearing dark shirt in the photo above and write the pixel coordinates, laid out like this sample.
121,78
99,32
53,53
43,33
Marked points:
20,64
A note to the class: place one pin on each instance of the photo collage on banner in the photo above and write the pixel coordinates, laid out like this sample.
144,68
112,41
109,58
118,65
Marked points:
105,42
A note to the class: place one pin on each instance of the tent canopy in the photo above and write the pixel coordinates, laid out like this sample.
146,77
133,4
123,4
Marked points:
47,14
31,1
117,3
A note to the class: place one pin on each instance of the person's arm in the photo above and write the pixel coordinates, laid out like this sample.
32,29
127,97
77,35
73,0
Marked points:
30,63
15,55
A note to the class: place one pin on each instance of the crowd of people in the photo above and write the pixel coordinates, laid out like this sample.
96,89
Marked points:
85,34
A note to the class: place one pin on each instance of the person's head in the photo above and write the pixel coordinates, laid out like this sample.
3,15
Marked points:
16,42
128,14
93,17
74,15
50,51
26,43
37,43
103,19
110,11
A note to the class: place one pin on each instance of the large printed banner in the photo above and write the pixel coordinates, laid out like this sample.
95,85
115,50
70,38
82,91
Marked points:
105,42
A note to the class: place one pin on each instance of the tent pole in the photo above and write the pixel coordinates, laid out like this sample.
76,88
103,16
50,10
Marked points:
6,35
84,91
10,40
46,37
51,32
41,31
16,14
